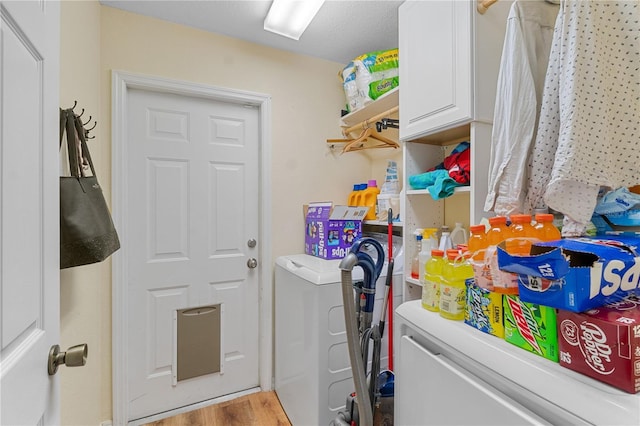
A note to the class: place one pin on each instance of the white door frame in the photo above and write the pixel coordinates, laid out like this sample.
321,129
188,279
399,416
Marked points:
121,82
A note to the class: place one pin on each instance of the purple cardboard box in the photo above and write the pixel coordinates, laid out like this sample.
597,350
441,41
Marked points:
331,230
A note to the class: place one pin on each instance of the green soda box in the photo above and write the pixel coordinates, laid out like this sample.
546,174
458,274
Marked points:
531,327
483,309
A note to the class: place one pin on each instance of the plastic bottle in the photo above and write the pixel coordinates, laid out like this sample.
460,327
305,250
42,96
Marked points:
359,192
498,231
443,228
477,248
522,233
478,239
352,202
428,244
389,196
369,198
545,229
459,235
432,281
415,260
391,184
455,272
497,280
445,241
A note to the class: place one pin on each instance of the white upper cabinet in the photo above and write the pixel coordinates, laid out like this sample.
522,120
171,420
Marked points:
449,58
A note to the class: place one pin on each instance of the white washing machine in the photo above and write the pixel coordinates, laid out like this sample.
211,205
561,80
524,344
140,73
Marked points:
312,368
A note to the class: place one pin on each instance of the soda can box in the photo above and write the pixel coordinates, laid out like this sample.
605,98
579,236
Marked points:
603,343
331,230
530,326
483,309
576,274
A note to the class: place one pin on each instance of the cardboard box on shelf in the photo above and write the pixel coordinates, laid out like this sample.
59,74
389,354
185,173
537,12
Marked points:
603,343
576,274
331,230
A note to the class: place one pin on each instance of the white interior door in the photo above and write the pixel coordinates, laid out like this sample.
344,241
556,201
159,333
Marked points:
192,208
29,211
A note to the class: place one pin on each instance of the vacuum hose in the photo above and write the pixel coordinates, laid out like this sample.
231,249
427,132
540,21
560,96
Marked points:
365,408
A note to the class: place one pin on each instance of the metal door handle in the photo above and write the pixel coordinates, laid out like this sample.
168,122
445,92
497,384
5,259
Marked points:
75,356
252,263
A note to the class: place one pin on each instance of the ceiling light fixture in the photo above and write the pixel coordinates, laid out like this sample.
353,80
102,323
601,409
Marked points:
290,18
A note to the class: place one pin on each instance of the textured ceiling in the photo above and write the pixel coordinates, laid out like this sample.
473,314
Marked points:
341,30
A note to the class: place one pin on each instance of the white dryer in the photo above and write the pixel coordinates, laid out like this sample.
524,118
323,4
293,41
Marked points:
312,368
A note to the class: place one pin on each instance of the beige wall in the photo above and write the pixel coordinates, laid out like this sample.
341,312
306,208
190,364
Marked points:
306,100
85,292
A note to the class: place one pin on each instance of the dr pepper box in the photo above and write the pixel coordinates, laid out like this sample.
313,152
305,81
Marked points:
576,274
331,230
603,343
531,327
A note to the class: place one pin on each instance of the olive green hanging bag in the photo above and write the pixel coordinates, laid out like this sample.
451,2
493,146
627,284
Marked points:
87,233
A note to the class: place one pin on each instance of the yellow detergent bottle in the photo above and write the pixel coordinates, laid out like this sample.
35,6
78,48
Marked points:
452,289
353,196
370,198
358,197
432,281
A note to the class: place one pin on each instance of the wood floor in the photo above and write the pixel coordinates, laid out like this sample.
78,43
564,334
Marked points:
256,409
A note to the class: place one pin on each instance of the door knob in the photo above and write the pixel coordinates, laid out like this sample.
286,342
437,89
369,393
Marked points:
252,263
75,356
252,243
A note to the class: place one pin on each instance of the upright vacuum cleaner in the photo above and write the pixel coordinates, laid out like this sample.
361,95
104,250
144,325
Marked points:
372,400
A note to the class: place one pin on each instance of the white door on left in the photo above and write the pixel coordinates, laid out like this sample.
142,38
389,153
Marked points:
29,210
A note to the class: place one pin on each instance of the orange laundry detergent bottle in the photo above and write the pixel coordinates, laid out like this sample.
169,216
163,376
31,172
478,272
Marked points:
370,198
358,197
353,195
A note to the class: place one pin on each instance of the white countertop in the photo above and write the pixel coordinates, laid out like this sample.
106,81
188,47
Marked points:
588,399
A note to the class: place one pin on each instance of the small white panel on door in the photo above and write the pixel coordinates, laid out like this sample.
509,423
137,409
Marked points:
227,182
226,131
168,209
172,125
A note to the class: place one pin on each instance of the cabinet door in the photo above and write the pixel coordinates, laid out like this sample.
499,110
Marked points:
430,389
436,64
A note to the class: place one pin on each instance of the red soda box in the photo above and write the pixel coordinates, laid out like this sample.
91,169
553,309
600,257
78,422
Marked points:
603,343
